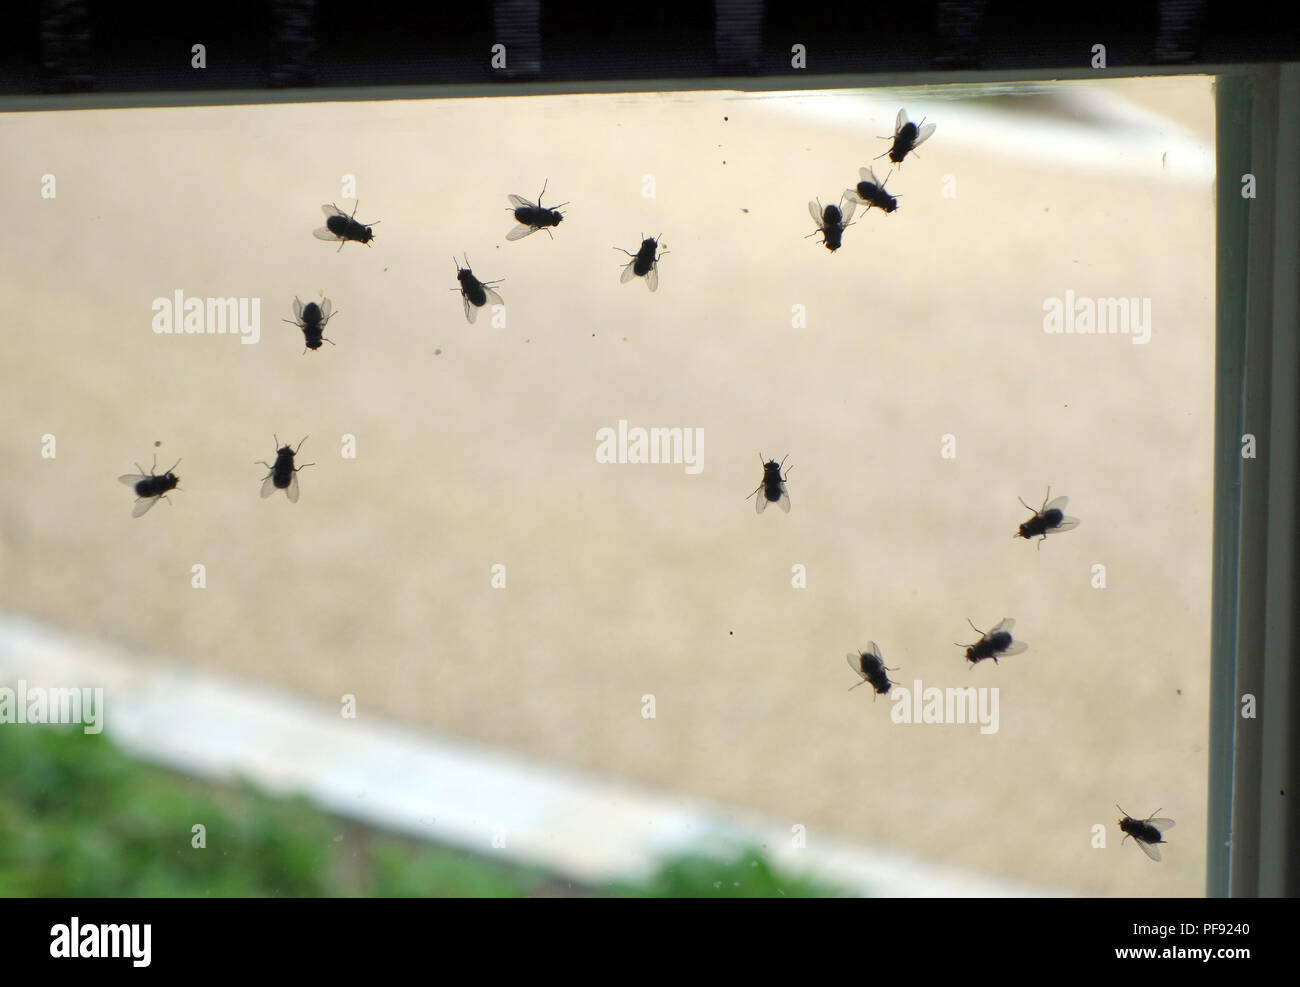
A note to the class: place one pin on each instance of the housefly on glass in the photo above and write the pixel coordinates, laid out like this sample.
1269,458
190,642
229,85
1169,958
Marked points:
1146,832
870,665
1049,517
772,489
150,487
342,227
644,263
831,221
871,192
532,217
311,319
908,136
473,292
283,475
996,642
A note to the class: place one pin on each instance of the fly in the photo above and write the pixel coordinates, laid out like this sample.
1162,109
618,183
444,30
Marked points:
150,487
311,319
342,227
644,263
871,666
908,136
831,221
871,192
532,217
773,486
283,475
1146,832
996,642
473,292
1049,517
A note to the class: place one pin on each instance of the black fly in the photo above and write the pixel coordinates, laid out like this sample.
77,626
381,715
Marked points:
150,487
908,136
1049,517
831,221
473,292
311,319
283,475
532,217
1146,832
996,642
773,486
871,666
644,263
871,192
342,227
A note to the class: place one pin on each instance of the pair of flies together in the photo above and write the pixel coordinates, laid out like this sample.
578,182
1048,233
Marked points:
153,486
998,641
311,318
870,664
344,227
533,216
529,218
833,220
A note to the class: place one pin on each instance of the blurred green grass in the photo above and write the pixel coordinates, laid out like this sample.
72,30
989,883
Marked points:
80,819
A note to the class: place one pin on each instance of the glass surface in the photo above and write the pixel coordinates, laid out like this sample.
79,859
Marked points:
478,444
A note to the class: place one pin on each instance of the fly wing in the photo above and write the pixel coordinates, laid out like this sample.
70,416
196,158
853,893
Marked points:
131,479
873,650
629,272
325,310
268,485
492,297
1161,824
324,234
1006,624
760,502
1067,523
846,212
297,306
143,504
924,135
471,311
520,231
519,202
1016,647
900,120
784,502
855,662
816,211
1150,849
332,210
652,278
292,489
869,175
1057,504
851,195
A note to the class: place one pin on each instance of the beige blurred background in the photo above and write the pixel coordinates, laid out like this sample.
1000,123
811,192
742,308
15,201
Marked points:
627,580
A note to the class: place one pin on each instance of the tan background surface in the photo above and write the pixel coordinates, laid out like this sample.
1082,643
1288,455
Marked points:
628,580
